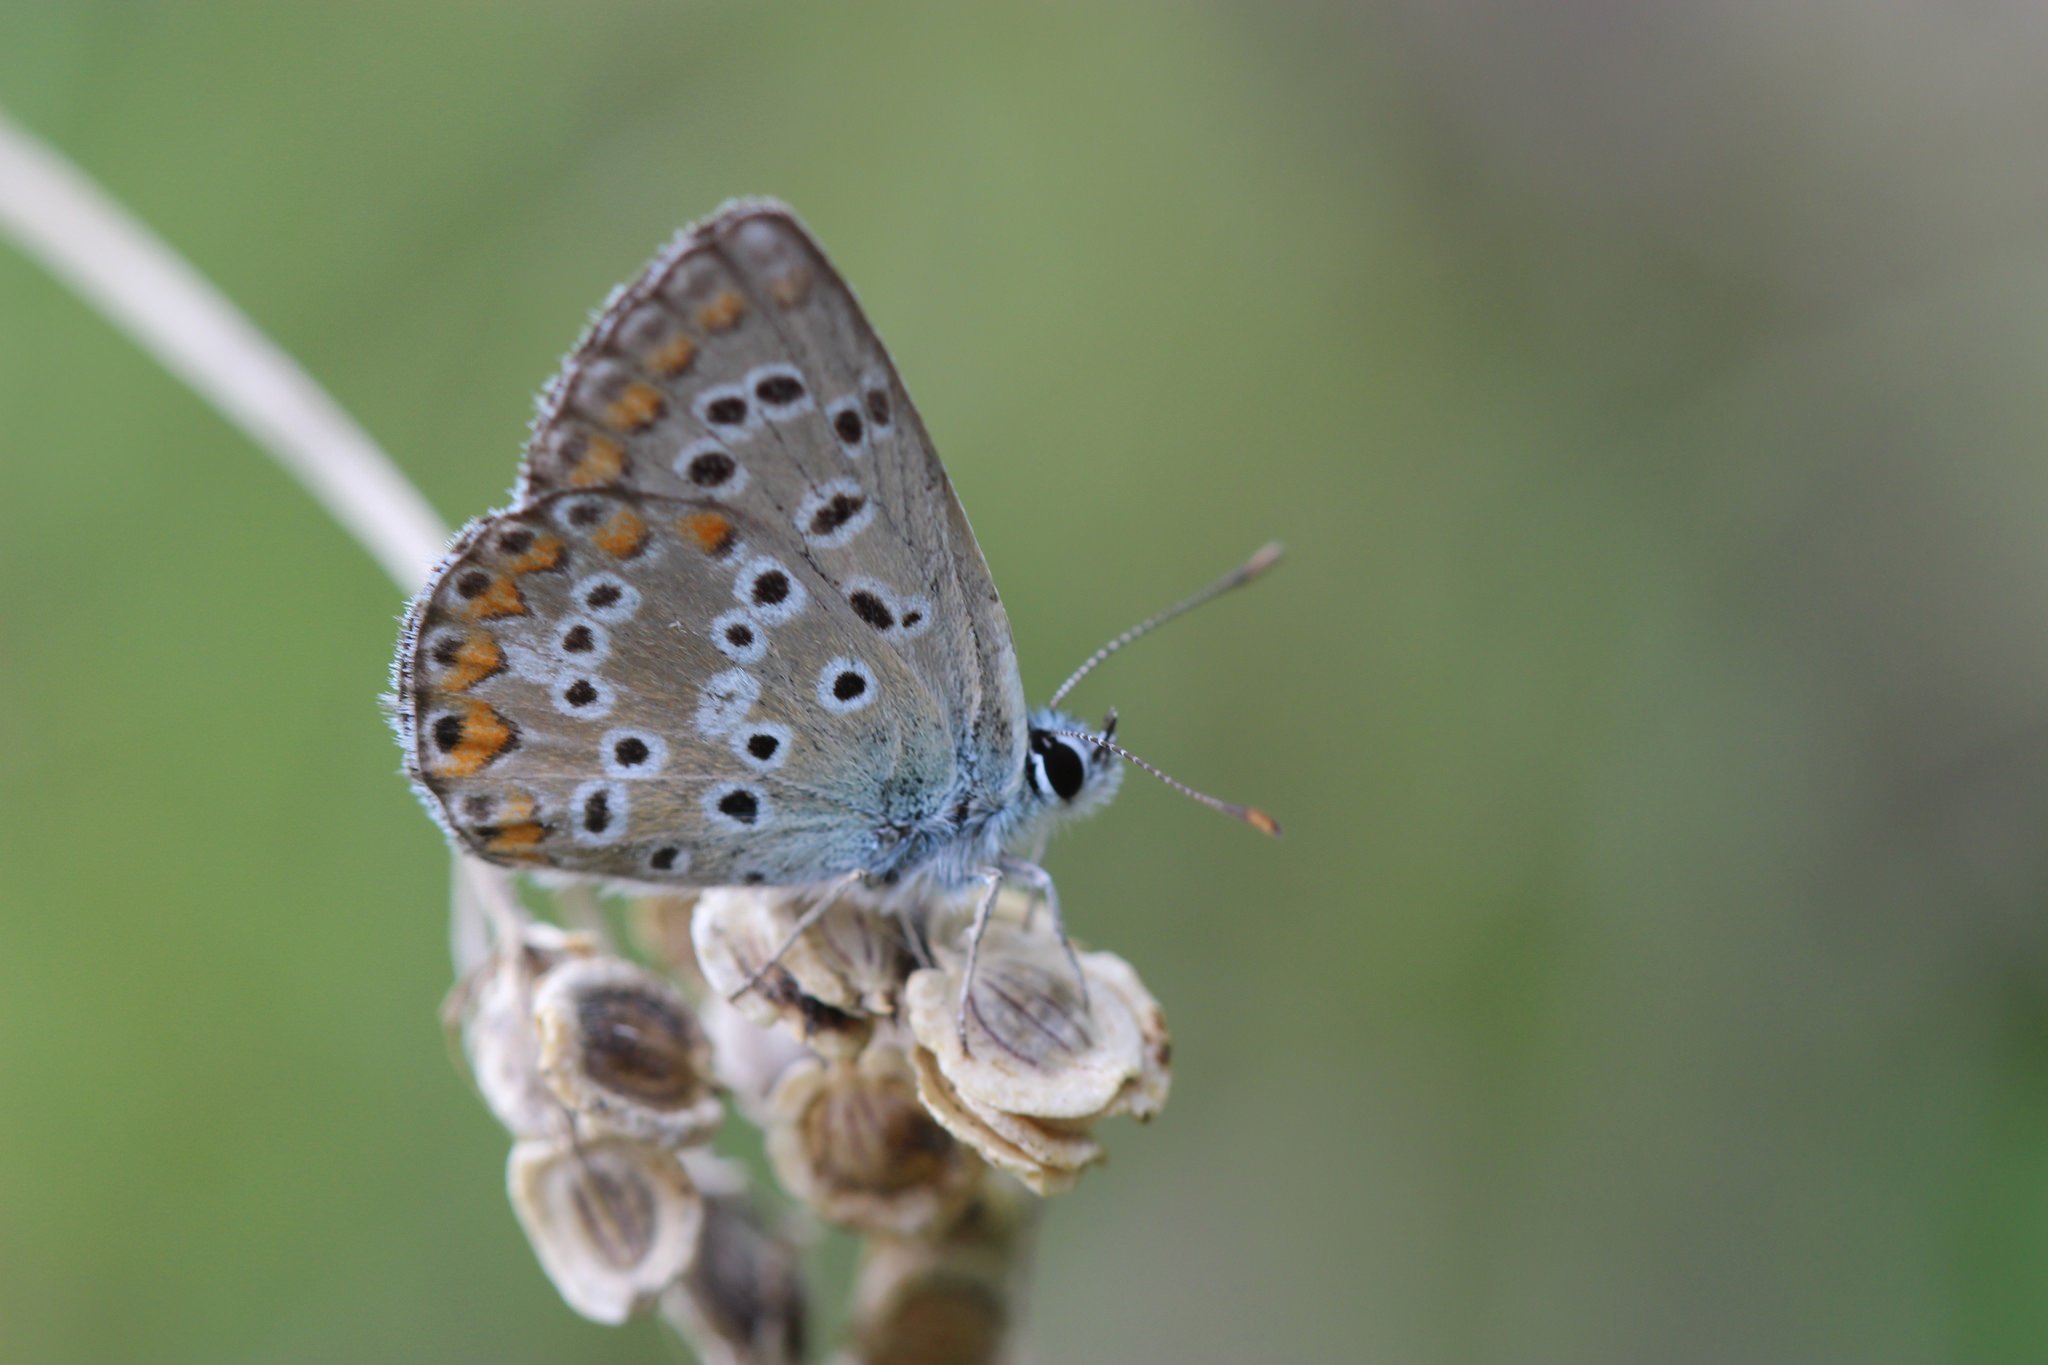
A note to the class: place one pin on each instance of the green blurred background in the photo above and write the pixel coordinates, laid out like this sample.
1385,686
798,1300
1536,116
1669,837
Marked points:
1652,397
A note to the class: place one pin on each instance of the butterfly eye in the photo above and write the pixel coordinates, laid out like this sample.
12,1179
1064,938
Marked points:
1056,766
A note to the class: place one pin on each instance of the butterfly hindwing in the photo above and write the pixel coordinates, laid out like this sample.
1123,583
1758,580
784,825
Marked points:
655,689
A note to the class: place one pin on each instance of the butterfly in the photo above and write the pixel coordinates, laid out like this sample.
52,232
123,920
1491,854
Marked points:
735,628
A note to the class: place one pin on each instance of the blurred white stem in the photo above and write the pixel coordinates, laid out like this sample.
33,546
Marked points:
80,235
484,916
61,219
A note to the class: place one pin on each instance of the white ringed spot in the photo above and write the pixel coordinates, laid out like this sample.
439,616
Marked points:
913,616
779,391
632,753
729,411
668,860
876,404
737,807
578,640
768,587
849,425
762,746
834,513
581,515
606,596
846,685
708,465
598,813
583,696
738,636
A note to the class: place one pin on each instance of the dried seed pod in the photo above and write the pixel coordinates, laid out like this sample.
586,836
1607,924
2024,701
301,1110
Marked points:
743,1301
736,931
1046,1154
491,1012
614,1220
1038,1067
854,958
619,1046
852,1140
949,1300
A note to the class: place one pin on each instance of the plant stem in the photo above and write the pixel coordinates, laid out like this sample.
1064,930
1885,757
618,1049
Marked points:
80,235
61,219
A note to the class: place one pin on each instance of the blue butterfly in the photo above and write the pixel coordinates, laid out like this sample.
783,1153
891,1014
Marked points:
735,628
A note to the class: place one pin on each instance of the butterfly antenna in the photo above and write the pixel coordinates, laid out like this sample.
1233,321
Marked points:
1268,555
1250,815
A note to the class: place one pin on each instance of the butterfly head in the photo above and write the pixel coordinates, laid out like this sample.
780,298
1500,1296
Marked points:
1069,775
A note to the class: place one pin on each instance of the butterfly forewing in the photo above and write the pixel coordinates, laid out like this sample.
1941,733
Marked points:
649,688
739,365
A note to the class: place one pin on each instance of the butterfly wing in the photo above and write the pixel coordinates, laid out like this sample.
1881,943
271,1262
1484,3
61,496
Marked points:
654,689
736,628
740,365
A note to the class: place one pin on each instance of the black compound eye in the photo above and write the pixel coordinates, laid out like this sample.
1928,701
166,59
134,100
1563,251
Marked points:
1064,771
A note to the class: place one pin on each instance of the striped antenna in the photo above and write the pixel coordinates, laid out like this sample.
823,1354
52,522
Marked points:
1250,815
1266,557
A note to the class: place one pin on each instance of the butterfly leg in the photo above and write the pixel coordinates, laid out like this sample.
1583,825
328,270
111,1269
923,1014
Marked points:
810,917
917,937
994,878
1040,881
1037,895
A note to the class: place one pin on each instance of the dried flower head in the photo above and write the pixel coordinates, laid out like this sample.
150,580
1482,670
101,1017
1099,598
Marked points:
825,993
491,1012
855,957
1037,1067
743,1301
614,1220
620,1047
851,1139
948,1299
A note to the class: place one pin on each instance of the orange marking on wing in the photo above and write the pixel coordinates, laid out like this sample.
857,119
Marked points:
518,806
477,658
791,289
722,312
623,535
709,531
602,461
672,357
545,553
485,736
501,598
634,408
520,837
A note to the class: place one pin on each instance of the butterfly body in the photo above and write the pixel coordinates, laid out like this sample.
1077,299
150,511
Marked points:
735,628
955,845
